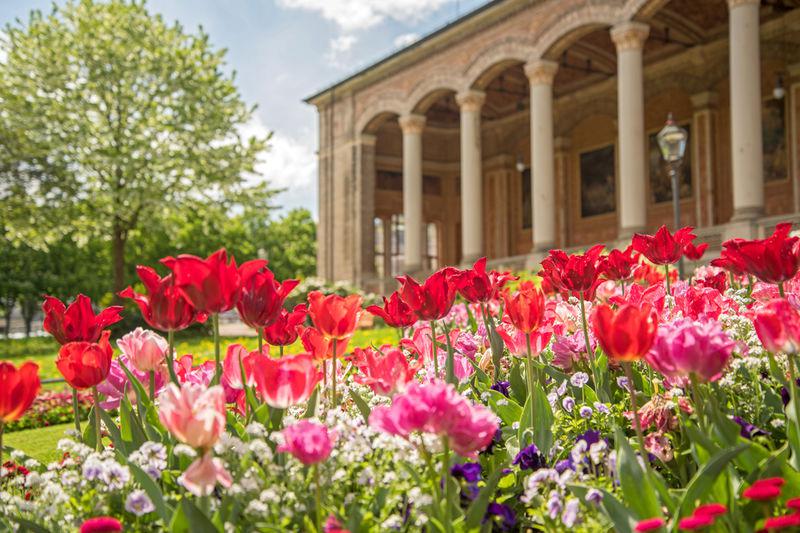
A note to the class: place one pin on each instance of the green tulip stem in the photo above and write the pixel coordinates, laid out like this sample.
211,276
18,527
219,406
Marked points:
98,445
217,364
448,521
76,411
433,350
780,290
318,497
636,422
333,375
529,373
666,279
152,385
2,429
171,357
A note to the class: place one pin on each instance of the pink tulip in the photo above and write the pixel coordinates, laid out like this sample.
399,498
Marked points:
778,326
193,414
286,381
116,383
145,349
438,408
201,374
517,344
203,475
236,358
310,442
685,347
385,370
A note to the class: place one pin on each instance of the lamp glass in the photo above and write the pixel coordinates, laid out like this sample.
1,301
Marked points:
672,142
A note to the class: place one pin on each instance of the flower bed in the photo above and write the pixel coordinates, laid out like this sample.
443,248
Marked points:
610,395
50,408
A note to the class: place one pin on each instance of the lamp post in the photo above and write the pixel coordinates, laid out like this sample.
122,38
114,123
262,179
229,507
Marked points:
672,143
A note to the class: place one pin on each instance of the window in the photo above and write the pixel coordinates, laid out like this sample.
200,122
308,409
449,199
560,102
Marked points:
660,180
773,120
527,211
431,246
379,247
598,182
398,244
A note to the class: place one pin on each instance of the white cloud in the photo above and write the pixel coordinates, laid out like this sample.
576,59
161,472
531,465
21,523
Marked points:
339,48
289,163
401,41
361,14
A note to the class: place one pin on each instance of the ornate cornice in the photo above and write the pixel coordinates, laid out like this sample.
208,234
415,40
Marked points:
470,100
412,123
541,71
629,35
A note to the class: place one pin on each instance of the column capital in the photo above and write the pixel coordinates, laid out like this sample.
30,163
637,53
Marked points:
541,71
736,3
794,71
705,100
470,100
562,144
412,123
629,35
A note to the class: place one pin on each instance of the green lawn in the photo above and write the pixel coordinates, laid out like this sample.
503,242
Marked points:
41,443
37,443
43,350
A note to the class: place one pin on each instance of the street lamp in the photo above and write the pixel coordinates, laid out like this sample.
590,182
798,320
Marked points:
672,143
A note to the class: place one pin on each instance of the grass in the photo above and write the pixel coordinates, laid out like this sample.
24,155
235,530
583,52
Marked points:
41,443
37,443
43,350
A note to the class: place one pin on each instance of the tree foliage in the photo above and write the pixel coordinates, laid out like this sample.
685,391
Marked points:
113,122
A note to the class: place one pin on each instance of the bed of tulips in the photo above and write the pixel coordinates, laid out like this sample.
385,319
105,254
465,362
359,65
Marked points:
608,396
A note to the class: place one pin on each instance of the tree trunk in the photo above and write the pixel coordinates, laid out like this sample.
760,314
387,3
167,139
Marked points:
9,305
28,312
118,255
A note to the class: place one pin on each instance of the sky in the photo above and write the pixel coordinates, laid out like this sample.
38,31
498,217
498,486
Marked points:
285,50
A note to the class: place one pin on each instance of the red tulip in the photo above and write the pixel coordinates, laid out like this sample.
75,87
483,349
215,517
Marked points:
85,364
335,316
394,312
573,273
694,253
476,286
212,285
262,296
165,307
626,334
18,389
525,309
77,322
319,346
663,248
286,381
777,325
772,260
618,265
718,281
433,299
385,371
283,330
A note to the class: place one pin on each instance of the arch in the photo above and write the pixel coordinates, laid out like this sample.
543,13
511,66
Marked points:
642,9
378,111
496,57
565,29
566,122
427,91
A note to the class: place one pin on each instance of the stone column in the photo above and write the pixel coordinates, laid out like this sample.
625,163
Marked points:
540,75
794,130
629,38
747,148
412,126
562,157
470,103
364,241
387,251
703,143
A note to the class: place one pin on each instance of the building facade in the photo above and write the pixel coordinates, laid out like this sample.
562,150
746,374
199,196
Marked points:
530,124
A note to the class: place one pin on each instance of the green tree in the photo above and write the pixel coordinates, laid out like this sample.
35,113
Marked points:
291,245
111,119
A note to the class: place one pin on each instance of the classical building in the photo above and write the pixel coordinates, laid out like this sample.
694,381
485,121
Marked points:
530,124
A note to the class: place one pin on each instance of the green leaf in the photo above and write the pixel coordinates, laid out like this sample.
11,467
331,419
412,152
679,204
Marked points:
704,479
189,519
543,420
129,426
519,390
113,431
636,486
525,422
311,408
477,509
361,404
507,409
153,491
27,525
620,515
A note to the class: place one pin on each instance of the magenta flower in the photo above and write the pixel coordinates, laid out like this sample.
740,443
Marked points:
310,442
685,347
438,408
116,383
